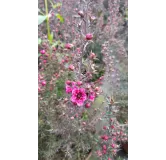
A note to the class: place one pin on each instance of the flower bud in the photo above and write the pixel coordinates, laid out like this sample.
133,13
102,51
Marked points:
81,13
89,36
43,51
68,46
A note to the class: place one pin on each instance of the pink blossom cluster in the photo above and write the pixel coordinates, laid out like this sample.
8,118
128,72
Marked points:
81,94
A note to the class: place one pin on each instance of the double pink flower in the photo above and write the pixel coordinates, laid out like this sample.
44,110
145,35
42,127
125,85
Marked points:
79,95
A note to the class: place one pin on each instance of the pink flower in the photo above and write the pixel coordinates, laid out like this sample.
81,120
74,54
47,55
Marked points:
89,36
92,96
68,89
78,96
109,159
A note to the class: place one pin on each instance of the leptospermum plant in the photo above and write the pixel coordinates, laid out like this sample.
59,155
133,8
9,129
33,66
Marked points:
73,65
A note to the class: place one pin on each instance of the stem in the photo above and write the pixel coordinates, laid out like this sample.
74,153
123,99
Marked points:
48,26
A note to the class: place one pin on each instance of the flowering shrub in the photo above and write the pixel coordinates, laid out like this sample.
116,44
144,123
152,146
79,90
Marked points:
79,52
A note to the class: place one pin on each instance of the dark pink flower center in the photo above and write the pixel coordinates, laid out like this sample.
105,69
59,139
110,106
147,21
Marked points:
79,95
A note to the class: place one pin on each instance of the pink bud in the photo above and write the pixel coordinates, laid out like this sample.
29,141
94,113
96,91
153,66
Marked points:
105,127
113,145
114,138
44,61
109,159
39,89
92,55
104,151
97,89
84,123
71,67
72,118
79,83
87,105
62,61
114,151
43,51
104,147
43,83
68,46
92,18
81,13
101,78
112,127
89,36
68,82
65,100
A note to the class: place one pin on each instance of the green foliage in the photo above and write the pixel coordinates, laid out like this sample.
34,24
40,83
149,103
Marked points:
97,76
57,5
58,16
60,88
126,15
96,48
39,41
41,19
85,116
50,37
45,138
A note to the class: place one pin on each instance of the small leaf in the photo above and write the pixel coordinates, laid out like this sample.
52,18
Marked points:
58,16
39,55
41,19
39,40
